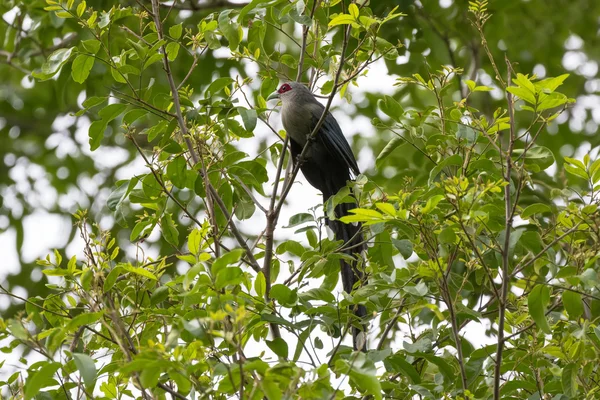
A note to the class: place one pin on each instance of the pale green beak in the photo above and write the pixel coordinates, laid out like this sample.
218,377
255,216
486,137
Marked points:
273,95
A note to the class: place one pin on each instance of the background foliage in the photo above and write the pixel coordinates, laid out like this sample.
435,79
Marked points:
454,173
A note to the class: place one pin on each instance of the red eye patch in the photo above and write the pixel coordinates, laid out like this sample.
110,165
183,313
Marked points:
284,88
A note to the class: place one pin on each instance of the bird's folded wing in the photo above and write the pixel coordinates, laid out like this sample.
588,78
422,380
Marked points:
332,137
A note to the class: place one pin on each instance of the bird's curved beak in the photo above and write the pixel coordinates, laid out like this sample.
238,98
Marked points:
274,95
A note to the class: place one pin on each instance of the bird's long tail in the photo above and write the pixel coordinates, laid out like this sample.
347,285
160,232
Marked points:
353,245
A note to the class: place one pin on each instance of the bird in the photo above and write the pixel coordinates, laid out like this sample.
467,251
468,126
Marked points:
327,165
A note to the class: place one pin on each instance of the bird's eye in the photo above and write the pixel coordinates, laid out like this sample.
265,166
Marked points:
285,88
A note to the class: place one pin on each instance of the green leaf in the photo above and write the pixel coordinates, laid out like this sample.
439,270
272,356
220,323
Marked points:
551,84
398,364
387,150
104,20
538,299
55,61
91,45
404,246
447,236
537,159
342,19
176,171
466,132
279,347
552,100
150,374
172,50
229,29
432,203
318,294
284,295
248,8
152,59
87,368
249,117
194,241
537,208
93,101
217,85
175,31
82,319
569,379
573,170
522,93
419,290
40,378
299,219
454,159
117,196
81,8
226,259
260,284
170,232
353,10
140,271
391,108
111,111
82,65
573,304
131,116
229,276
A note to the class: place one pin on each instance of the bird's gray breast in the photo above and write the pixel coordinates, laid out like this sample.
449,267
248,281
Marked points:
297,122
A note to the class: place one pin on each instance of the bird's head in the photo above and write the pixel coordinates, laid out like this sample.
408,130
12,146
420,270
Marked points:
290,91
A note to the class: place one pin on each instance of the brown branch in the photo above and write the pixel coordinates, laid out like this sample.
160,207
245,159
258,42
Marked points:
508,215
211,191
304,40
391,324
202,6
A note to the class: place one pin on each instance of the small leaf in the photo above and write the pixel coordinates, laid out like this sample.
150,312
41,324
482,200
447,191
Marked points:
342,19
81,8
141,272
260,284
569,379
91,45
387,150
170,232
538,299
249,117
175,31
537,208
466,132
40,378
404,246
56,60
573,304
172,50
391,107
194,240
87,368
454,159
217,85
299,219
284,295
398,364
278,346
82,65
432,203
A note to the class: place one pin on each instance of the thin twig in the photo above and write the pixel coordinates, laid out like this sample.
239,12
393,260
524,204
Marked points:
506,248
